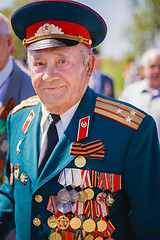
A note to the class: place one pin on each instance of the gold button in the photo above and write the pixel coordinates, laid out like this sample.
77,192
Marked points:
80,161
36,222
38,198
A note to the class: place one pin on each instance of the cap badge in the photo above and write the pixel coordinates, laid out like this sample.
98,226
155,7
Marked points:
47,29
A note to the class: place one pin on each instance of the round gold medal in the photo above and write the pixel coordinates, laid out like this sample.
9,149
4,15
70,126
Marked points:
80,161
89,237
63,222
52,222
89,225
99,238
90,193
75,223
55,236
82,196
101,225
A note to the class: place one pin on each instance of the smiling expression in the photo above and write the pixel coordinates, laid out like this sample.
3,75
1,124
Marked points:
60,76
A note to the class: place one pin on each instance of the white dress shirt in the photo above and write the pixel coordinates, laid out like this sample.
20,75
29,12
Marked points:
60,125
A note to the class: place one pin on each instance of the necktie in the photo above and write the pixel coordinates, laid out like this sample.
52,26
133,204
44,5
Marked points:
50,142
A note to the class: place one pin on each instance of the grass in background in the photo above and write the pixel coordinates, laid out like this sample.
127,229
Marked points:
115,70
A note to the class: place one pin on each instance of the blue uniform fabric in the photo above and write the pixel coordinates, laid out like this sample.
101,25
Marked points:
133,154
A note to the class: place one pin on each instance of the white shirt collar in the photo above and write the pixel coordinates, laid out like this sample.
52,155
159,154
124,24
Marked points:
65,117
6,71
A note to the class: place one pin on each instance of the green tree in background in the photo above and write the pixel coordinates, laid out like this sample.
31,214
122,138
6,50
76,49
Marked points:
145,30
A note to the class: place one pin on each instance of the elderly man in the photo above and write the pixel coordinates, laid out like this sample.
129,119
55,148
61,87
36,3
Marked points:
80,165
146,94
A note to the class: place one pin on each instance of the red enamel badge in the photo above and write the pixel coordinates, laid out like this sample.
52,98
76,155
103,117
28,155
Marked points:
83,128
28,121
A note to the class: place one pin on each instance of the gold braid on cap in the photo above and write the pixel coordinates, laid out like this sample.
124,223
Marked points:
79,39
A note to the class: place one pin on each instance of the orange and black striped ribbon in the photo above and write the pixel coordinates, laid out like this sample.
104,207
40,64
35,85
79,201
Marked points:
93,150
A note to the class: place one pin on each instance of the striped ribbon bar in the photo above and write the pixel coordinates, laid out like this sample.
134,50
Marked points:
52,204
115,182
93,150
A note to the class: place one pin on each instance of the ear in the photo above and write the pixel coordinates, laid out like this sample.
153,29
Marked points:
90,65
141,72
9,40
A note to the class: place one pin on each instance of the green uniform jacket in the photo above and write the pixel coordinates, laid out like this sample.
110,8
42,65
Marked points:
131,150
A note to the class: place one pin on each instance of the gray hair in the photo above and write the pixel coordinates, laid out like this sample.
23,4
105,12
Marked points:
149,54
4,25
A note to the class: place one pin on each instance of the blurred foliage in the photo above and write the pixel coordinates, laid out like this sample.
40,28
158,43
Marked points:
145,30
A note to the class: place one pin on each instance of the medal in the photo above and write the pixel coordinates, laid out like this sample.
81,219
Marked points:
52,222
75,223
89,237
90,193
23,178
16,171
110,199
11,174
82,196
89,225
55,236
99,238
80,161
63,196
63,222
101,225
101,197
73,195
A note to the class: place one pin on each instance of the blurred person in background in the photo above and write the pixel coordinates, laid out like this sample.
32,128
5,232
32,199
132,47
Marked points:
99,82
131,73
145,94
15,86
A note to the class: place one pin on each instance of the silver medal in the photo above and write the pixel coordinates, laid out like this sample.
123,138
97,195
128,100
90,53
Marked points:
63,196
73,195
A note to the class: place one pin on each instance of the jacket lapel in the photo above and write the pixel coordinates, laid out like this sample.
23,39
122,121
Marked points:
31,139
60,156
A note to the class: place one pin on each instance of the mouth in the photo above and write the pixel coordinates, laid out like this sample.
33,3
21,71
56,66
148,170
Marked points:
53,89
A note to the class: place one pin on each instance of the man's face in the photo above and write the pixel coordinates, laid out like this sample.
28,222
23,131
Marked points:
60,76
5,49
151,71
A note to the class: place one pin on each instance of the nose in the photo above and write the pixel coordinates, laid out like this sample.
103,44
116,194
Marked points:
50,74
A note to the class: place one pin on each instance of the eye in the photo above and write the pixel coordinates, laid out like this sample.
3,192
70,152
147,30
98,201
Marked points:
39,64
63,61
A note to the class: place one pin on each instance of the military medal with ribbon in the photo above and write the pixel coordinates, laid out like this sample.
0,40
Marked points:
65,179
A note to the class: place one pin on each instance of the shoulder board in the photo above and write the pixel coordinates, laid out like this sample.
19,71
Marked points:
119,112
32,101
